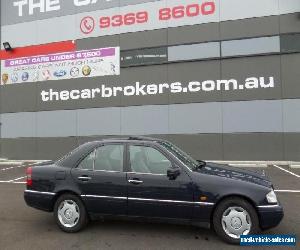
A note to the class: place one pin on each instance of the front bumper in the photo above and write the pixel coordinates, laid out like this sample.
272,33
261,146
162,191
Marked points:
270,215
39,200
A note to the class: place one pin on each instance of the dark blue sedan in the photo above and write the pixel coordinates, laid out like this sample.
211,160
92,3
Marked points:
140,178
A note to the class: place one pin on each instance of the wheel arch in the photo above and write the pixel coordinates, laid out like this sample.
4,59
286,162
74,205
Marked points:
60,193
229,196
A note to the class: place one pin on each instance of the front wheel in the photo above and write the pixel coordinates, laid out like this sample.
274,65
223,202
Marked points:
70,213
234,217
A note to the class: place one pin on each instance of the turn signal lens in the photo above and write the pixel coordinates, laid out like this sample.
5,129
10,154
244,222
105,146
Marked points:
203,198
29,176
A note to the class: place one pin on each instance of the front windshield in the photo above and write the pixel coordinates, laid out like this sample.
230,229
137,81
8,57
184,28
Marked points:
181,155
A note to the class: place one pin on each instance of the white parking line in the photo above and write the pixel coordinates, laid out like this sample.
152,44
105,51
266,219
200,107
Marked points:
23,164
5,169
298,176
14,180
18,179
287,191
11,163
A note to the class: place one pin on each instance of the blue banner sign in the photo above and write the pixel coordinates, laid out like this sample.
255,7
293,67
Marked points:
268,240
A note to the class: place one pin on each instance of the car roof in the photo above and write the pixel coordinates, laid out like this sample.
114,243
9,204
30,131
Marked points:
128,139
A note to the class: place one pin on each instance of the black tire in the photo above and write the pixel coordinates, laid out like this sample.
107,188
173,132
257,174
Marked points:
80,223
234,202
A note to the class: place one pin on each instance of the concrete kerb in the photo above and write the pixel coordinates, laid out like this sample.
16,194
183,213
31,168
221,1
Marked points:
259,164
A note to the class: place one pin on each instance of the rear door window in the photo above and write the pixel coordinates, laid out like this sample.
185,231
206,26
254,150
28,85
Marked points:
109,158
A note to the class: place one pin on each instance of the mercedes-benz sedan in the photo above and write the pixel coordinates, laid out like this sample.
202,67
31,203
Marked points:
146,179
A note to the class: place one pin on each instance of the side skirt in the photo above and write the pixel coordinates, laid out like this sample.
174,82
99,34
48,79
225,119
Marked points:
175,221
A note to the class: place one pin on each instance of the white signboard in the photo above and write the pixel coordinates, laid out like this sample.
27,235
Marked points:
85,63
140,17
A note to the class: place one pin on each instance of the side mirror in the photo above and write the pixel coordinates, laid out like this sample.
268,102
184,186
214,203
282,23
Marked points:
173,173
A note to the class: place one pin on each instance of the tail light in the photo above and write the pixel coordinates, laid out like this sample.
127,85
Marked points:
29,176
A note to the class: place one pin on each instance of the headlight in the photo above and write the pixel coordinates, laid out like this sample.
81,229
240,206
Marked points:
271,197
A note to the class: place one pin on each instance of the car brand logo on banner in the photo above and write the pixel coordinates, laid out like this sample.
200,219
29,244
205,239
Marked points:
25,76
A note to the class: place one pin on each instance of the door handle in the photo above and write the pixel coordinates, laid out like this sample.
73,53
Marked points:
84,178
135,181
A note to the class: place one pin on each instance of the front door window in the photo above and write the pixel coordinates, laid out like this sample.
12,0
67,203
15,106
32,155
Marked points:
148,160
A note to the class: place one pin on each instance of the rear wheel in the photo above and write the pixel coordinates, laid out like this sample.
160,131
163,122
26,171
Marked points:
234,217
70,213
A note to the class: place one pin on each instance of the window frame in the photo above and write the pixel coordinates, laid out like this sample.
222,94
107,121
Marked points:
94,158
129,169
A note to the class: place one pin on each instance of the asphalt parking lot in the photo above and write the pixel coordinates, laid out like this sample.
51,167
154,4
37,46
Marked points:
26,228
